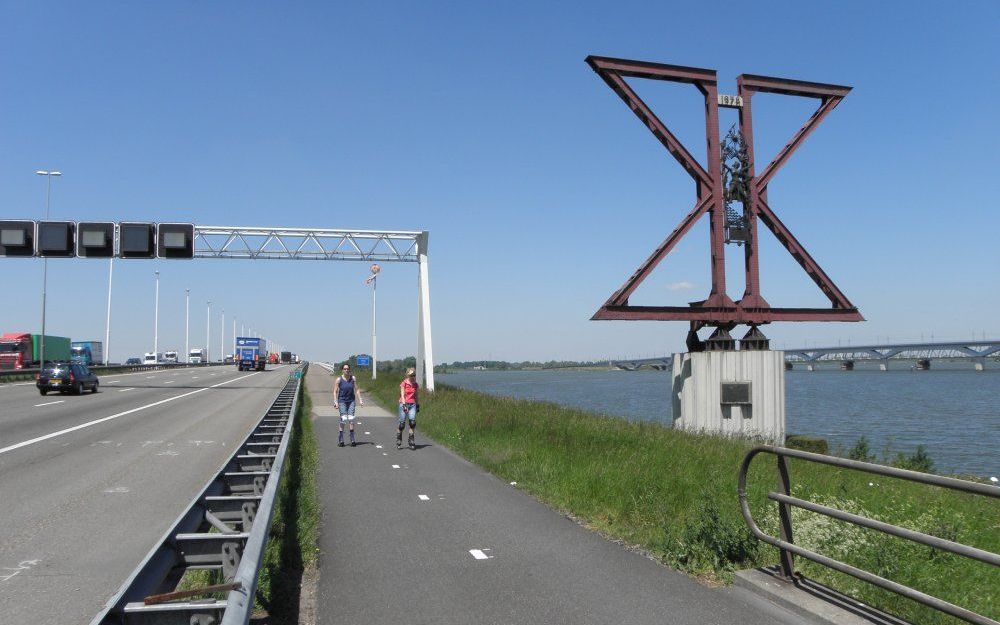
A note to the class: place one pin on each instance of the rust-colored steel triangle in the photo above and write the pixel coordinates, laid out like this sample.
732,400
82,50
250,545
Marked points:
718,308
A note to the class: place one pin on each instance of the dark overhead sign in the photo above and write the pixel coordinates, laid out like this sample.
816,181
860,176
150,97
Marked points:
175,241
17,238
137,240
56,239
95,239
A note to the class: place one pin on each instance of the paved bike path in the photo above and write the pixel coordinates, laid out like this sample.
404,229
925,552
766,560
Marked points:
426,537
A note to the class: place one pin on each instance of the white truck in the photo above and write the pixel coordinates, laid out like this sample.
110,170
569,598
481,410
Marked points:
170,356
198,356
149,358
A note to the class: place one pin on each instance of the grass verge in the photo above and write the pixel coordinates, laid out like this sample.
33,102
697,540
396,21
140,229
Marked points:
293,543
673,494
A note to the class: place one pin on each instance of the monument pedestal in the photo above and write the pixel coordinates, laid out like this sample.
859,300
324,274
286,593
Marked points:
735,393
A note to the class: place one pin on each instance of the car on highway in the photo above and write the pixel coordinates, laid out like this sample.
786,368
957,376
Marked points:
135,360
66,377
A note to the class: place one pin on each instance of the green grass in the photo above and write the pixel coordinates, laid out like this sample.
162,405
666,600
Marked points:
294,538
673,494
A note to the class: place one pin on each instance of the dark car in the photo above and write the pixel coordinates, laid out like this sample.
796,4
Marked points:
134,361
66,377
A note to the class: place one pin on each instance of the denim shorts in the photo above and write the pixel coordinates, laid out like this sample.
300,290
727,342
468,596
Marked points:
407,411
346,411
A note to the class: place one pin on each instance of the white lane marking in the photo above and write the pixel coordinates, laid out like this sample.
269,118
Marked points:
49,403
384,454
169,381
117,489
395,466
478,554
366,433
122,390
423,498
23,565
195,378
149,377
113,382
46,437
376,446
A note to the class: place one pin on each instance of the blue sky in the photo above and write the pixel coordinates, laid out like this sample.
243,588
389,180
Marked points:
481,123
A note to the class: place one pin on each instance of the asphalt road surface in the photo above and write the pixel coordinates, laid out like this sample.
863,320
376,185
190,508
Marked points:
425,537
89,483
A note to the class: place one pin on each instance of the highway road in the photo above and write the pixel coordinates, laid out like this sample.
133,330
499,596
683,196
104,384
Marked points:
89,483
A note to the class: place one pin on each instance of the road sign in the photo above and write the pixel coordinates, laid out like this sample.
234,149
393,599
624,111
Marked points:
364,361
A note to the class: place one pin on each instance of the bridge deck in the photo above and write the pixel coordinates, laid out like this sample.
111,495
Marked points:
391,556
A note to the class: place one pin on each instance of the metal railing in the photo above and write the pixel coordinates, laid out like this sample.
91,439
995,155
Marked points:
225,528
9,373
788,548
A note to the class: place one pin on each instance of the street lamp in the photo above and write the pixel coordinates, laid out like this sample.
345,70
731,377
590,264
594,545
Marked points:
187,325
45,263
222,334
156,319
373,280
208,329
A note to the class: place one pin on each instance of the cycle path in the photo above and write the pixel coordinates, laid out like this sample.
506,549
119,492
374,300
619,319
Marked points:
424,536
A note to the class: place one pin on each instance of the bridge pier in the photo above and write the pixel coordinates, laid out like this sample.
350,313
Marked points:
979,363
847,365
810,367
883,365
923,364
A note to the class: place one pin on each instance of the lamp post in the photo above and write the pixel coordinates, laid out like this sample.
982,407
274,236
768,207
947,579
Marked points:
222,334
187,325
234,337
373,280
208,329
107,324
156,319
45,264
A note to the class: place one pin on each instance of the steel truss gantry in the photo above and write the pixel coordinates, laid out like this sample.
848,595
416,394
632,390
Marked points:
307,244
401,246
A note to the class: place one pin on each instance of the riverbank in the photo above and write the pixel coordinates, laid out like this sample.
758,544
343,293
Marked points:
673,495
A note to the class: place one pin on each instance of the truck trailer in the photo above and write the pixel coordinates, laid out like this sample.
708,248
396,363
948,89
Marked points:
89,353
21,350
251,353
198,356
286,357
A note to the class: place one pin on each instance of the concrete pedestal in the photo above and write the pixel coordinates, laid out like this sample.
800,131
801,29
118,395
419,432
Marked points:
739,393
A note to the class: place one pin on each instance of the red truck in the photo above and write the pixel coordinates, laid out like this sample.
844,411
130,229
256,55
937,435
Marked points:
21,350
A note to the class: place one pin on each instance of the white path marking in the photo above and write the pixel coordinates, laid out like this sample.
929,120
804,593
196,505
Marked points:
122,390
478,554
117,490
377,446
384,454
367,433
46,437
49,403
23,565
423,498
169,381
113,382
149,377
395,466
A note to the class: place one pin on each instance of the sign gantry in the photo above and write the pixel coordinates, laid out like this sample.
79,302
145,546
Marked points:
718,309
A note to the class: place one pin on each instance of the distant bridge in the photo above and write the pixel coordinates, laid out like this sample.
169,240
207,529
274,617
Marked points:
975,351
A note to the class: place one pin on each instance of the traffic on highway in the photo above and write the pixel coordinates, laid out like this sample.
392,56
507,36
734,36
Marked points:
90,482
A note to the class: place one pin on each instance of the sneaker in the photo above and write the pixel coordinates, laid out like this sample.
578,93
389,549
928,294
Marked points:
340,443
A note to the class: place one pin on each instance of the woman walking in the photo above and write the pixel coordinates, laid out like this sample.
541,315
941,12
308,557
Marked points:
345,393
409,403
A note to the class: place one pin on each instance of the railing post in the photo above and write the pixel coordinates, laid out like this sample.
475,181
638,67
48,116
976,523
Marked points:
785,517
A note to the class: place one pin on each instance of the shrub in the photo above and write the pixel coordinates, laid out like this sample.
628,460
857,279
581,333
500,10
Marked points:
807,443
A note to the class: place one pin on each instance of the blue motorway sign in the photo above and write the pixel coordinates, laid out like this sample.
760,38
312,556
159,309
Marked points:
364,361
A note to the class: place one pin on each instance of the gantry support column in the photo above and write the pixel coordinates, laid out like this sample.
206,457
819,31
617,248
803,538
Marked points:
425,349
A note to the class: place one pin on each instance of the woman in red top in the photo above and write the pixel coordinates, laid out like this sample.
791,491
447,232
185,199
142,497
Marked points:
409,403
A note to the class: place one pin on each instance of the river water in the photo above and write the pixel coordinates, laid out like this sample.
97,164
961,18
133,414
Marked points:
951,409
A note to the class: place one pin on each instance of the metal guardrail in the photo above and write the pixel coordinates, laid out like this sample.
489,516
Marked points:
224,529
8,373
788,547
